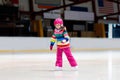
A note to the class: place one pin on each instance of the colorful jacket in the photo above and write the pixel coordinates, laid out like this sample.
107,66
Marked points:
59,36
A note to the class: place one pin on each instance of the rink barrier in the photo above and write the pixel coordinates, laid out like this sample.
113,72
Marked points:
41,44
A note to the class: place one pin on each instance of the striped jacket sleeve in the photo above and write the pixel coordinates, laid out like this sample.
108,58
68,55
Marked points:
66,36
52,40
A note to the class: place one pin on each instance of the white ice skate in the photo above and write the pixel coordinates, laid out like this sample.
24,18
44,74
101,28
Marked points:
58,68
75,68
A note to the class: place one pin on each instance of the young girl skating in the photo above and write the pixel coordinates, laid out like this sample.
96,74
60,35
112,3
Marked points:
63,45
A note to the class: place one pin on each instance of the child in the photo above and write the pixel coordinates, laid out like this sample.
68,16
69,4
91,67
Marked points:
63,45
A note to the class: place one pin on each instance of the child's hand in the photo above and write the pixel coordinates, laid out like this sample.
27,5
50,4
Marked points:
64,40
51,47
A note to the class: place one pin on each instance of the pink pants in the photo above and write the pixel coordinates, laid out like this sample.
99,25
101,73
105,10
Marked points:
68,54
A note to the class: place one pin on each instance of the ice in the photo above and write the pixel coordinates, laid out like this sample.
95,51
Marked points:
93,65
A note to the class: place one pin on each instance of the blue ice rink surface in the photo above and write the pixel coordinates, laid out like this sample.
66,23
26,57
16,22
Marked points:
93,65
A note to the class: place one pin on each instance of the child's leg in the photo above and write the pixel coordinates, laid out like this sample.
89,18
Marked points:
59,57
70,57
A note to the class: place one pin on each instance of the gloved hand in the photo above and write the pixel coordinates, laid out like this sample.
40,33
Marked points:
64,40
51,47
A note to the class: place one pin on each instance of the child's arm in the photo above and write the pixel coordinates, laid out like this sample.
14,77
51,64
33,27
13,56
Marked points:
52,41
66,36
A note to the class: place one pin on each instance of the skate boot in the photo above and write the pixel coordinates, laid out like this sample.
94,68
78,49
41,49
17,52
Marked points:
58,68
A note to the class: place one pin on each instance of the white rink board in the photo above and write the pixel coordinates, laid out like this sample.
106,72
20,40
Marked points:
39,43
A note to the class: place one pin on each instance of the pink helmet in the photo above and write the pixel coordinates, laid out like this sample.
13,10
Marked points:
58,21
